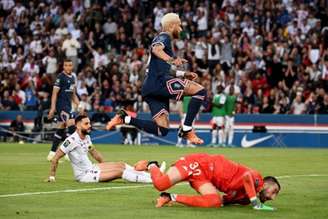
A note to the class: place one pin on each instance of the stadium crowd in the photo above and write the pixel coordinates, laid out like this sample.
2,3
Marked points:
274,52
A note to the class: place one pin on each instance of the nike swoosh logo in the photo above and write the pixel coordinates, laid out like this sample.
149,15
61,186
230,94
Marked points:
247,144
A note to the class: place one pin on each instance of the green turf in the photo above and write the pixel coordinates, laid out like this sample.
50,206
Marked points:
23,169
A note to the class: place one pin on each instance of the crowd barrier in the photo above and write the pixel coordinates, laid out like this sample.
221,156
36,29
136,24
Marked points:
251,130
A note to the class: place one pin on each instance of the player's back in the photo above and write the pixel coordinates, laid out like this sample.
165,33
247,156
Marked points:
66,85
158,70
228,174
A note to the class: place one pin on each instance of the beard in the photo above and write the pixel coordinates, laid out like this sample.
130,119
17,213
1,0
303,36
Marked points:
86,131
262,196
176,34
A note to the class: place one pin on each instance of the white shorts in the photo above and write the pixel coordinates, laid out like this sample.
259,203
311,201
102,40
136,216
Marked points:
218,120
229,121
91,176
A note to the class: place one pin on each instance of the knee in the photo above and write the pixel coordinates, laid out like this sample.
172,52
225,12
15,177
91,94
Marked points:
162,131
162,183
201,94
202,91
161,186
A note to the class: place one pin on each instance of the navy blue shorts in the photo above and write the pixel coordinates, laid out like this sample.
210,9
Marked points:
64,116
159,100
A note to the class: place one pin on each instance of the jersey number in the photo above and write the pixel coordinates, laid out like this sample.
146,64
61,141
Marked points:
194,167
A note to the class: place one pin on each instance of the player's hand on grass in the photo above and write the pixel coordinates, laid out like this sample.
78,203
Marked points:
191,76
263,207
51,179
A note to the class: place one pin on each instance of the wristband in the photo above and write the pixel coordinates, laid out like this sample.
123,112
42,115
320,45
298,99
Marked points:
253,201
170,60
180,73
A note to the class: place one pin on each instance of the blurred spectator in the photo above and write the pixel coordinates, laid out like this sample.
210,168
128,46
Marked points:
17,125
100,116
263,46
70,47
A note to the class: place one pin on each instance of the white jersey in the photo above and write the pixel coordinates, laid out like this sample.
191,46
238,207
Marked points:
77,150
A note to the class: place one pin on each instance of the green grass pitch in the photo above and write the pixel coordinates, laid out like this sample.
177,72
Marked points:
23,169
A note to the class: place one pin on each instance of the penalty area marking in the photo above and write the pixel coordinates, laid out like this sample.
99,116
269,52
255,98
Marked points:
125,187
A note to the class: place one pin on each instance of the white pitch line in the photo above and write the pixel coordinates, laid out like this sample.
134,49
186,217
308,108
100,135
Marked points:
74,190
125,187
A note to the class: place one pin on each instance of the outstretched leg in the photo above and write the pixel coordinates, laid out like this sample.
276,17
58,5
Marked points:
208,198
115,170
158,127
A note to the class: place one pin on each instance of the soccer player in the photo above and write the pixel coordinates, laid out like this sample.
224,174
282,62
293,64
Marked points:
230,106
208,175
63,93
159,86
78,145
218,113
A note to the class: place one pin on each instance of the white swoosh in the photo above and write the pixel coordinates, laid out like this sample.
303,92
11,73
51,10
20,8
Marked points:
247,144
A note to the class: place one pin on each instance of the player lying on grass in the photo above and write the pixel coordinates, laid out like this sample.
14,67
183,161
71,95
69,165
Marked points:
78,145
208,175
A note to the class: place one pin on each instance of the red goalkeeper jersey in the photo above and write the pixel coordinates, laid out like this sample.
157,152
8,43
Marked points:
224,174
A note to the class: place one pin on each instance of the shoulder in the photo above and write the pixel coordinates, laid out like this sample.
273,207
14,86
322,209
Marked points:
60,75
72,138
162,37
68,142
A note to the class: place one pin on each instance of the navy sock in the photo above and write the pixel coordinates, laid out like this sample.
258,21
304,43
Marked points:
71,129
194,106
58,138
149,126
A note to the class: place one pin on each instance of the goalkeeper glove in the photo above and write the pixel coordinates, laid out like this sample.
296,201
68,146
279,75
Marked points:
263,207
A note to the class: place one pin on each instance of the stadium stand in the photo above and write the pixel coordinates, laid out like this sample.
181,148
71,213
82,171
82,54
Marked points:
275,51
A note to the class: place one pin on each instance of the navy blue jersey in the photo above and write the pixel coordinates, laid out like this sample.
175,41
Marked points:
158,70
66,85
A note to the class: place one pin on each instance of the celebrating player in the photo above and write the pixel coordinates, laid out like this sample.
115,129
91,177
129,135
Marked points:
78,145
159,86
64,91
209,174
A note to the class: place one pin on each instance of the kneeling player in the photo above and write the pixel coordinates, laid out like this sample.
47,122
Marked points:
209,174
78,145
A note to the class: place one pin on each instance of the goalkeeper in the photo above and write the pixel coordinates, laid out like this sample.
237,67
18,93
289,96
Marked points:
209,175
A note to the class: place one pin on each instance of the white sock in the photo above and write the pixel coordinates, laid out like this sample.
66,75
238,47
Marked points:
127,119
231,132
214,134
186,128
179,140
136,176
